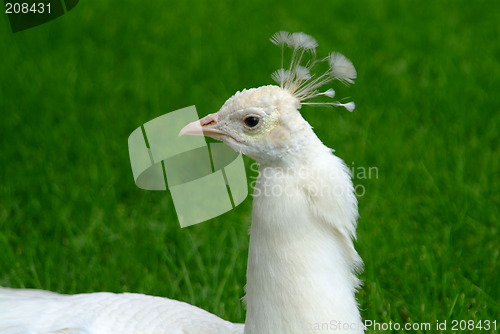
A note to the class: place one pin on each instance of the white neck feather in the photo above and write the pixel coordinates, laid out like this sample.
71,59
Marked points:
301,264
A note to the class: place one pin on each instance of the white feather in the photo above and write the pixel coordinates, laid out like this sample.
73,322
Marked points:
42,312
280,76
342,68
302,73
328,93
350,106
280,38
300,246
299,81
300,40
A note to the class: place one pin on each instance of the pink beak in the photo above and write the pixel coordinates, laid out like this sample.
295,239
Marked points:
203,127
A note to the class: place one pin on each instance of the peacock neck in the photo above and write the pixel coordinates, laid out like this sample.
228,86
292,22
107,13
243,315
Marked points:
300,276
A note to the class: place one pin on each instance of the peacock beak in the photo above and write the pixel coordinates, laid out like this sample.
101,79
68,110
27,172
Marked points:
207,126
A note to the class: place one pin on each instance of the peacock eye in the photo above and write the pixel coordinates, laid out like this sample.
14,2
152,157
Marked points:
251,121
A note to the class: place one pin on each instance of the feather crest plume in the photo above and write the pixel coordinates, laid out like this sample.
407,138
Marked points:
299,79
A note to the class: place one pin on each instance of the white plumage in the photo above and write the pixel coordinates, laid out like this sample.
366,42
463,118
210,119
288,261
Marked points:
42,312
302,265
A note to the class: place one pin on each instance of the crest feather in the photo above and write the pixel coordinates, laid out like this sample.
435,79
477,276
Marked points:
342,68
280,38
302,73
298,78
299,40
280,76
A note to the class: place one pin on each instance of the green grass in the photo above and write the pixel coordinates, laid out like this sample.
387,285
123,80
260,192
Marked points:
72,90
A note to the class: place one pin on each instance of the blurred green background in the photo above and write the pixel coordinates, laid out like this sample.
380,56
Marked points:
73,89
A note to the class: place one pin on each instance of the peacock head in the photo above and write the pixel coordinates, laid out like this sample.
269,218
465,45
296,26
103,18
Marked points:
264,123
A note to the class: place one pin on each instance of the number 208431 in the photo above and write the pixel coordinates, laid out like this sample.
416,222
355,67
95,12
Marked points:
25,8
